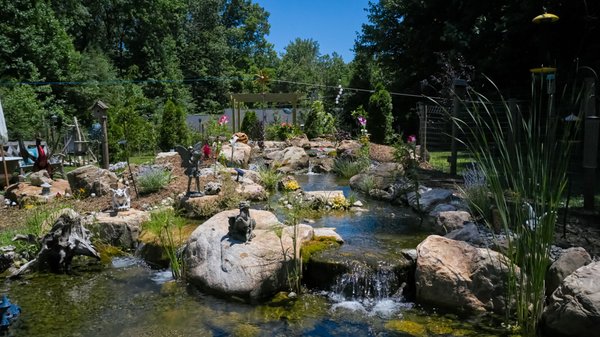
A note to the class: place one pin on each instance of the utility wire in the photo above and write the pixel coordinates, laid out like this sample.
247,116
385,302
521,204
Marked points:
193,80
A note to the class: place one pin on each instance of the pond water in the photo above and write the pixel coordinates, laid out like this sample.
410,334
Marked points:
128,298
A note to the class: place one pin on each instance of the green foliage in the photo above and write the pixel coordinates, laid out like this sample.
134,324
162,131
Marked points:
216,127
293,214
164,225
173,127
24,111
527,180
153,179
347,168
269,178
251,126
318,121
282,131
477,194
380,115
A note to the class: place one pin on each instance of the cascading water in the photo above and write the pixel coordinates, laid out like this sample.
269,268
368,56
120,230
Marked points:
374,290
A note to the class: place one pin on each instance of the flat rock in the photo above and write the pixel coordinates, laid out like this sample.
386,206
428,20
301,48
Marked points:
121,229
327,232
25,193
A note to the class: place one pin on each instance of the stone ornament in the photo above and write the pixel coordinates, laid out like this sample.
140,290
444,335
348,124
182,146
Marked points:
190,160
242,225
121,201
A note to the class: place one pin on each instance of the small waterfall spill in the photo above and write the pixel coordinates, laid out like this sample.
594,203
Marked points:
363,282
311,166
372,290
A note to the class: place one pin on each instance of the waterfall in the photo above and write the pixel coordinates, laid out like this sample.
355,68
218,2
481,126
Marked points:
374,290
366,282
310,168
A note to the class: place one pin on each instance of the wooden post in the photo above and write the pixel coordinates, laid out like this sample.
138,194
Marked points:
459,90
5,167
422,129
105,142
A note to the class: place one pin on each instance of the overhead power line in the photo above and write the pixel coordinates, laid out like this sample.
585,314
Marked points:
191,80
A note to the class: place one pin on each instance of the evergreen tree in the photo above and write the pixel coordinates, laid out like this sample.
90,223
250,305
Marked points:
173,128
380,113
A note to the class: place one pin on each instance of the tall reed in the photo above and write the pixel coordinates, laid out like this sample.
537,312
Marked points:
164,225
526,178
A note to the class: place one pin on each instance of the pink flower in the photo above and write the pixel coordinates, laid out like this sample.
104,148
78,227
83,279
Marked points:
223,120
362,120
412,139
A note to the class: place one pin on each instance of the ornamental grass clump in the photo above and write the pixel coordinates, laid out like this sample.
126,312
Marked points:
153,179
526,179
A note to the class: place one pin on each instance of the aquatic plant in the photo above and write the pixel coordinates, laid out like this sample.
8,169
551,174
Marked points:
269,178
534,170
293,214
347,168
163,224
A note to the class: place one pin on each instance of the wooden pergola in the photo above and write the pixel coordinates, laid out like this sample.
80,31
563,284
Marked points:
236,99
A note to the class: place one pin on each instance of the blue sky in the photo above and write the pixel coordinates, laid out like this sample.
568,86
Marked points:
332,23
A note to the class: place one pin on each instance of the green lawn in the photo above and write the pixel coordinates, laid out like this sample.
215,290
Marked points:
439,161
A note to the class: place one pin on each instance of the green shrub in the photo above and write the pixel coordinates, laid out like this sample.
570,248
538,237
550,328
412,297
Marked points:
153,179
318,121
347,168
251,126
173,128
269,178
380,113
282,131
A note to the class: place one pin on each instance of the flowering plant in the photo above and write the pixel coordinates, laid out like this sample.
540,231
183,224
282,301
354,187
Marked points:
223,120
411,139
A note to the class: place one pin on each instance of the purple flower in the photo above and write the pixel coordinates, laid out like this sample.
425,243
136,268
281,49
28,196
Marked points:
362,120
412,139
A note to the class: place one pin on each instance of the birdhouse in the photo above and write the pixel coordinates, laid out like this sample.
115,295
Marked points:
99,109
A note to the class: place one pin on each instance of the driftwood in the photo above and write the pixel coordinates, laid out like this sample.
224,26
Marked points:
67,239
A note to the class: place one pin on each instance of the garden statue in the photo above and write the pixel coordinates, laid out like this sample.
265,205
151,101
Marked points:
190,159
121,201
242,225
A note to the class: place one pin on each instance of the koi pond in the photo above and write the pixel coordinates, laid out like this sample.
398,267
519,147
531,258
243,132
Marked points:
128,298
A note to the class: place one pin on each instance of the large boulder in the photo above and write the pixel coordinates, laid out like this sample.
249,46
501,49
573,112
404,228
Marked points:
289,159
569,260
250,270
456,275
574,308
428,198
378,181
240,156
91,179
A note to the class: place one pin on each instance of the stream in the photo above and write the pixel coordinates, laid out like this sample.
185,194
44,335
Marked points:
128,298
